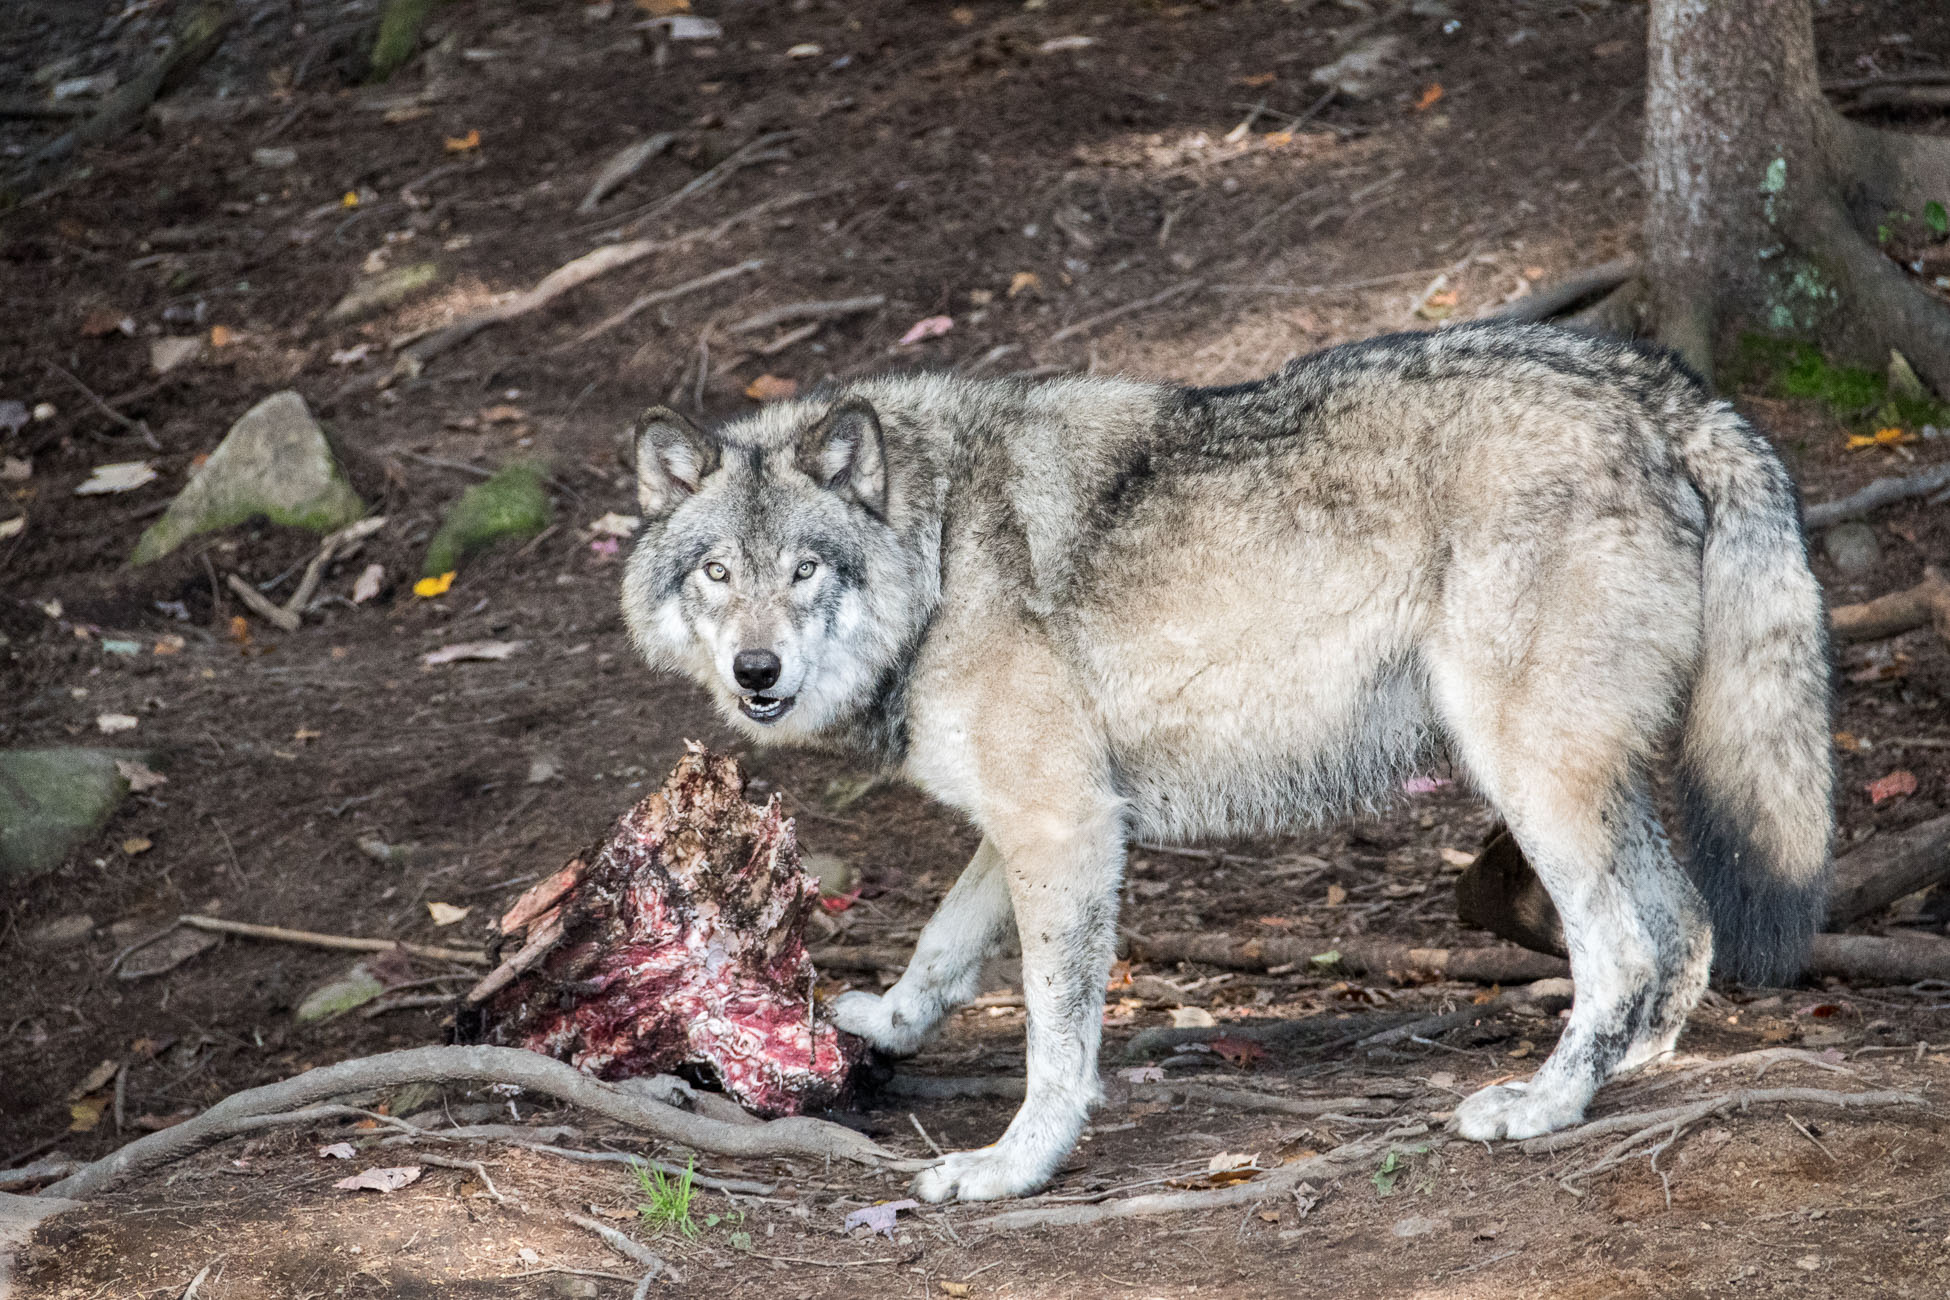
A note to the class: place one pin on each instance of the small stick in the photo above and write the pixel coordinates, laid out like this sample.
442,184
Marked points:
196,1283
832,309
261,605
138,427
656,296
1090,323
754,152
343,943
474,1167
308,584
913,1119
1808,1133
787,339
620,1243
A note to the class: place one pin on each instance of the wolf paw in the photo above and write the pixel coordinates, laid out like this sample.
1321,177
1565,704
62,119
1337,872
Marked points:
985,1175
1513,1110
874,1018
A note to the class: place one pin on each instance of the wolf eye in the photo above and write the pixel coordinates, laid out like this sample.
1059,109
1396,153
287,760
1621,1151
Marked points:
805,570
716,572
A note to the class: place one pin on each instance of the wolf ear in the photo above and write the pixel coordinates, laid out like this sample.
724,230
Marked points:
673,456
844,452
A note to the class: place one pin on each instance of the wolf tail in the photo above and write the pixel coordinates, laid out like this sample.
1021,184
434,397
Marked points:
1756,773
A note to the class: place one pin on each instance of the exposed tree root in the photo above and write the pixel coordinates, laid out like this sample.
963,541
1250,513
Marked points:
1008,1088
1889,867
1645,1123
272,1103
1894,170
1884,308
1356,957
1279,1182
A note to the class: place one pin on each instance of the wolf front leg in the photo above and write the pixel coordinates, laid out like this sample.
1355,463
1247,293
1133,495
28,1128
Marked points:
969,925
1063,880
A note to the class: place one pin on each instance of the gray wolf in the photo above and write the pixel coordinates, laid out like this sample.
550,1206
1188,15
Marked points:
1090,610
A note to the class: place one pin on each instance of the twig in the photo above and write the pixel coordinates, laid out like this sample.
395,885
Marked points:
1808,1133
343,943
933,1146
742,1186
1898,611
1642,1124
1090,323
138,427
833,309
625,163
656,296
196,1283
261,605
620,1243
761,150
1330,1165
357,531
271,1103
474,1167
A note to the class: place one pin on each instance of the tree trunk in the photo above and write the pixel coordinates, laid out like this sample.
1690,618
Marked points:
1764,199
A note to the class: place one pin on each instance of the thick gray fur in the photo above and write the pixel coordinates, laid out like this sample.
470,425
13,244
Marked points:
1089,610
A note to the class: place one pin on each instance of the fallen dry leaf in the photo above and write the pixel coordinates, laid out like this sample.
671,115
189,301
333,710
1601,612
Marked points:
446,913
85,1114
367,584
927,328
95,1080
110,723
503,414
1336,895
122,476
137,844
771,388
1456,857
139,775
380,1180
615,525
471,651
1191,1018
1024,282
1900,782
428,588
463,143
1244,1053
338,1151
222,336
12,527
104,321
1430,96
13,469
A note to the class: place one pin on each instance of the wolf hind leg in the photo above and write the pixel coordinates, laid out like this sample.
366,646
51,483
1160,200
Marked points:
947,964
1639,945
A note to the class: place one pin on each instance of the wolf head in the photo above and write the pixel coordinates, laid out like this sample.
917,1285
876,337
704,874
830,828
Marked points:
779,565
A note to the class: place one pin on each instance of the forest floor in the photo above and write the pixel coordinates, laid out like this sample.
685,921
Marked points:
1020,169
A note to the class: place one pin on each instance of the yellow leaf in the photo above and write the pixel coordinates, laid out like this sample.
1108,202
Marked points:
86,1114
1429,96
136,844
446,913
463,143
1024,282
660,8
1276,139
221,336
351,199
428,588
1336,895
770,388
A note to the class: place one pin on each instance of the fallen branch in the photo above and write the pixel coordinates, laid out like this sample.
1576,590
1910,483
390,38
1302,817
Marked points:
261,605
1005,1088
1355,956
273,1104
621,1244
474,1167
1557,299
1089,323
140,428
656,296
761,150
340,942
1889,867
1279,1181
1882,492
1641,1124
833,309
1898,611
625,163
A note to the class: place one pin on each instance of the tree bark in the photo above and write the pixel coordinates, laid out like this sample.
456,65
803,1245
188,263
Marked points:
1764,200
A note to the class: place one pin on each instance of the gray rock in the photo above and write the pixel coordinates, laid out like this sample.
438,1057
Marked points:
275,464
382,292
1358,72
1852,548
51,800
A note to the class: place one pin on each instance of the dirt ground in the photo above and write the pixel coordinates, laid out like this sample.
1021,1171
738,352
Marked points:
966,161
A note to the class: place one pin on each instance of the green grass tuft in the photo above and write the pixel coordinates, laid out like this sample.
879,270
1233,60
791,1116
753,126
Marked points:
669,1198
1858,397
512,504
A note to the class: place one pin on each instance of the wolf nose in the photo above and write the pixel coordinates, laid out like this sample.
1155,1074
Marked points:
755,669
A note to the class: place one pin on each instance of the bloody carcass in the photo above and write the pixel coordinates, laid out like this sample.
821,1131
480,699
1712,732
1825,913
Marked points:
678,941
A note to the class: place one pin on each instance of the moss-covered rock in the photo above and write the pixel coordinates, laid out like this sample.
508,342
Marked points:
513,505
51,800
273,464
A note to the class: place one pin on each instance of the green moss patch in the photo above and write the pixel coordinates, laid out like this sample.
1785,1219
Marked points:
513,505
1860,398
